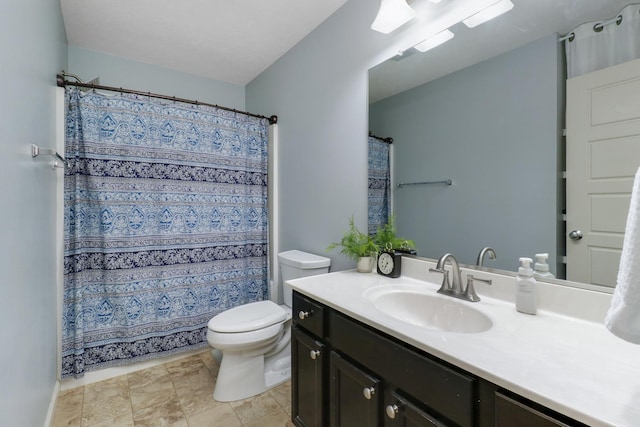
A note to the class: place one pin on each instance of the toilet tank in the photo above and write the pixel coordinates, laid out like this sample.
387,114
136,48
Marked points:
296,264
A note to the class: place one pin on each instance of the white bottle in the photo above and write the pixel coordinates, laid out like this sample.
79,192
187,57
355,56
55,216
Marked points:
526,288
541,268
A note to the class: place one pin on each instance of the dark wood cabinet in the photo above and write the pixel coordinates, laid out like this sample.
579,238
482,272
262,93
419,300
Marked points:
307,381
511,412
346,373
399,412
354,395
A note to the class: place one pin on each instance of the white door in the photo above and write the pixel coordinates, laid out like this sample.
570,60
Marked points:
603,154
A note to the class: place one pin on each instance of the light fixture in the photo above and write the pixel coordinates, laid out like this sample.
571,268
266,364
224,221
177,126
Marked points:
434,41
392,14
489,13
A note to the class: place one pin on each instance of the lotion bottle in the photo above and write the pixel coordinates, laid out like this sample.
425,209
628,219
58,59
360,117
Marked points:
541,268
526,297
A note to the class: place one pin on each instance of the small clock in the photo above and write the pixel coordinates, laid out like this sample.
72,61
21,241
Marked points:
389,263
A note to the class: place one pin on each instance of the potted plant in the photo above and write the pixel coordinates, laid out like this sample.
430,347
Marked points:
386,239
358,246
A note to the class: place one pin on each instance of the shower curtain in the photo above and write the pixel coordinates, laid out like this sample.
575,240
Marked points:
165,225
595,46
379,184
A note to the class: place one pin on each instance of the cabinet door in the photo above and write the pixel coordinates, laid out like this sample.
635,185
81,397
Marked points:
401,413
353,395
307,388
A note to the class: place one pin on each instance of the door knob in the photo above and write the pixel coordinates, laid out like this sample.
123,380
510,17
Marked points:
575,235
314,353
368,392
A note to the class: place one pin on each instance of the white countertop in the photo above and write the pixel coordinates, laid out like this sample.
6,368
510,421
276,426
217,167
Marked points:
573,366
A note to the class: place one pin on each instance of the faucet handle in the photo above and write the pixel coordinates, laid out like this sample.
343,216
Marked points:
445,280
470,293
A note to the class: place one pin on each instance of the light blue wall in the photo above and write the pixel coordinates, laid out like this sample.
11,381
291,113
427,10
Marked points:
33,46
494,129
319,92
121,72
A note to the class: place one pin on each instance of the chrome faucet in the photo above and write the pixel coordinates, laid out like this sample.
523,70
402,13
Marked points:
483,252
454,288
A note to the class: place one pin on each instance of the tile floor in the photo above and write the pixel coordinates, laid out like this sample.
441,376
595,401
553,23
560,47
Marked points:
177,393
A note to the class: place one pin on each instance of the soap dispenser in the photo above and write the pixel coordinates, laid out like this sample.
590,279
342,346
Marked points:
541,268
526,297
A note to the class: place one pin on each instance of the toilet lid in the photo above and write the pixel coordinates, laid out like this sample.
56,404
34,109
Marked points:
248,317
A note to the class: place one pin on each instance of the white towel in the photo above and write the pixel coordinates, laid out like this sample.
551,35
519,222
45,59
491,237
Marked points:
623,318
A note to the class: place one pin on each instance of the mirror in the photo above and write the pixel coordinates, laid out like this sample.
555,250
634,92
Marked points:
493,127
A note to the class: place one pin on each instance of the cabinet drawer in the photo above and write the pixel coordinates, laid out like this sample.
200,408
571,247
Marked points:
443,390
308,314
510,412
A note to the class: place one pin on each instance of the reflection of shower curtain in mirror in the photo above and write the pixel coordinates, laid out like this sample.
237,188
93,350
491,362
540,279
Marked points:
165,225
600,44
379,184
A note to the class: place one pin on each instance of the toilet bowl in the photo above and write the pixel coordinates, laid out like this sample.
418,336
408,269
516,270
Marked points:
254,340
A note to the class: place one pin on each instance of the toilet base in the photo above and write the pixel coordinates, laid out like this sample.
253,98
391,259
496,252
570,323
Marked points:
241,377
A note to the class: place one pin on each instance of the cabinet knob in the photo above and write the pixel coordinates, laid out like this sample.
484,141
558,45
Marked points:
368,392
303,314
392,410
314,354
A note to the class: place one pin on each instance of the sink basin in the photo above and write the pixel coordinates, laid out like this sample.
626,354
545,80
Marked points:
422,307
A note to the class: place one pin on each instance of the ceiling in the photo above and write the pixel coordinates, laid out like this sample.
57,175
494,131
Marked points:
227,40
234,41
529,20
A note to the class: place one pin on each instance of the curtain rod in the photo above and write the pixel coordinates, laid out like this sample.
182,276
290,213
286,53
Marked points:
61,82
388,140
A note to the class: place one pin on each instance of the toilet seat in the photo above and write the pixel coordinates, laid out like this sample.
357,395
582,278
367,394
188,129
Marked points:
249,317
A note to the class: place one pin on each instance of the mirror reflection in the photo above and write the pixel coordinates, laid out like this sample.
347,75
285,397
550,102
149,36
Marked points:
495,130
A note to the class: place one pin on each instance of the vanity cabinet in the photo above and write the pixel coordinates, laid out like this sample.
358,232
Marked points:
308,354
346,373
354,395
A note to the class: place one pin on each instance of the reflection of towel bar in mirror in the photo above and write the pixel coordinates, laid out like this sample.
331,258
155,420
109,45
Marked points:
446,181
36,151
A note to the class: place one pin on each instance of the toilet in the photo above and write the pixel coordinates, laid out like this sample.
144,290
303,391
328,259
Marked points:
252,342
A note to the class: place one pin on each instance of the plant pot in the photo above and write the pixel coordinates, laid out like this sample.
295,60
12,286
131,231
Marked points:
365,264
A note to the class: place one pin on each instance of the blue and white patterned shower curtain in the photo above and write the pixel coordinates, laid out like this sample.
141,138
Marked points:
379,184
165,225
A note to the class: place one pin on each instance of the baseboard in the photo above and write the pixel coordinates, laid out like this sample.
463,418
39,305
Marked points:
51,412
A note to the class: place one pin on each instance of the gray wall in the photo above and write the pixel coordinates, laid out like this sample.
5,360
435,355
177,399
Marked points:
319,92
33,46
494,129
121,72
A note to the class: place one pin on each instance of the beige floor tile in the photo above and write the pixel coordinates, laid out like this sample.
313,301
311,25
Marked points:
122,420
194,386
220,416
210,362
194,377
164,414
185,364
280,419
105,400
69,408
169,395
151,387
256,407
282,393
